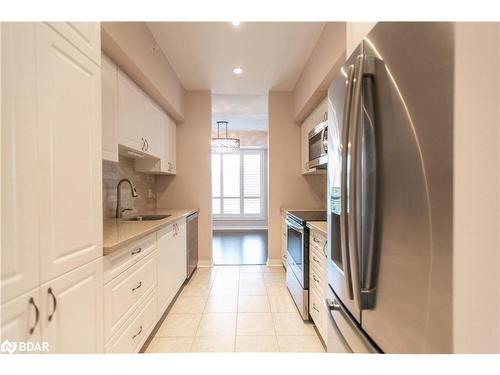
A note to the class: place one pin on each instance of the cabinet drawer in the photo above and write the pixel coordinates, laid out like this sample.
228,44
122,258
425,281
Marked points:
317,310
320,250
317,279
316,258
123,294
318,239
120,260
136,330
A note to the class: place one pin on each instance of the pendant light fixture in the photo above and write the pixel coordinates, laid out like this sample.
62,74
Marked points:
224,144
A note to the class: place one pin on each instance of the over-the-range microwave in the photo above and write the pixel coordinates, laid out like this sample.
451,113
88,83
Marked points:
318,146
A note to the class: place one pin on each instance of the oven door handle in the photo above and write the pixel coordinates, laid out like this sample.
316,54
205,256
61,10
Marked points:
294,226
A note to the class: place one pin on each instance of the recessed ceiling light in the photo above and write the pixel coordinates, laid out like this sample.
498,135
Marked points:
236,23
237,70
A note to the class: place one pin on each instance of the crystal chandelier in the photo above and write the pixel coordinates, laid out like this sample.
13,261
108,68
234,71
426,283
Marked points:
224,144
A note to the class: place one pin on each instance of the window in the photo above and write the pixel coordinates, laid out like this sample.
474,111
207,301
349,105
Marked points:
238,189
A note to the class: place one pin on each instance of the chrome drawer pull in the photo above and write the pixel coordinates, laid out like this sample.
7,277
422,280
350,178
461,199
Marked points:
138,333
316,240
137,287
314,307
315,259
315,279
136,251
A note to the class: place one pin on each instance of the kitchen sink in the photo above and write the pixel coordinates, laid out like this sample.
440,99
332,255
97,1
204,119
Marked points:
146,217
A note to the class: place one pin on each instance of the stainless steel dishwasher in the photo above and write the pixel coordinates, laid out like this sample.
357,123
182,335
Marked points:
192,244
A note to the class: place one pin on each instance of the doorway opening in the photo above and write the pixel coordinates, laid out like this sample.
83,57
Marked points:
239,182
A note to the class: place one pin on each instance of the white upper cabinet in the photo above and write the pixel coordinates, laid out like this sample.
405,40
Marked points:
109,82
20,245
72,311
131,113
69,132
86,36
171,146
133,121
153,128
164,146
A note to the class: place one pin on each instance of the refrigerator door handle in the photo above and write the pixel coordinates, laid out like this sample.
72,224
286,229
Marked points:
368,287
343,194
352,221
363,288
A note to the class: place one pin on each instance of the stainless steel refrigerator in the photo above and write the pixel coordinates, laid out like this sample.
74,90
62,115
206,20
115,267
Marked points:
390,133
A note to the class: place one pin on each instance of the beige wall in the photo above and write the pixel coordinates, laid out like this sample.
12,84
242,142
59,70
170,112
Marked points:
287,187
476,280
145,185
130,45
191,187
326,59
355,32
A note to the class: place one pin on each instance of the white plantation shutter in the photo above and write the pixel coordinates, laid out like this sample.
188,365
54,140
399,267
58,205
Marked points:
252,184
231,175
237,184
216,169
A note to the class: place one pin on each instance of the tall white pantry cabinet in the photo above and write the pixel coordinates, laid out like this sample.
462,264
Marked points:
51,255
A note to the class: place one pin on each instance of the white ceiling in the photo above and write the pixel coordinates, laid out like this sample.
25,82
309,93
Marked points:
203,54
243,112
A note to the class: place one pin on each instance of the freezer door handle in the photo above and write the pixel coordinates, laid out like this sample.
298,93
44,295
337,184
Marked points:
347,330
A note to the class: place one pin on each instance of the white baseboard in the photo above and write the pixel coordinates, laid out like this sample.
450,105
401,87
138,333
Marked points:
274,262
205,263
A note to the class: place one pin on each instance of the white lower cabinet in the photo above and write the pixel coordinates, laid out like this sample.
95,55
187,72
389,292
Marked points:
171,262
135,332
120,260
141,280
318,282
284,239
71,311
126,292
21,318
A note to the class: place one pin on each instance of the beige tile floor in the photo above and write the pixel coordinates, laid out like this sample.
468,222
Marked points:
235,308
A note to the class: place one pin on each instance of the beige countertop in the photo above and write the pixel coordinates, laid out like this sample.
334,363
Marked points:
318,225
118,232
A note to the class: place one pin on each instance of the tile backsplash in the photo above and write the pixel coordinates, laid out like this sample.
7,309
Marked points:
112,173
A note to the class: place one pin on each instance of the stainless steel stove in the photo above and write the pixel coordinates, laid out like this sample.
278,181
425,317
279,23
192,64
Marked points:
297,275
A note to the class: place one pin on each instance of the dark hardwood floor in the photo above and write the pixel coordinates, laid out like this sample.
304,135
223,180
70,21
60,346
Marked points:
233,247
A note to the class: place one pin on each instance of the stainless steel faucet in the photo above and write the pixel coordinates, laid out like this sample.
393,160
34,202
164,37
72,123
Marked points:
119,211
